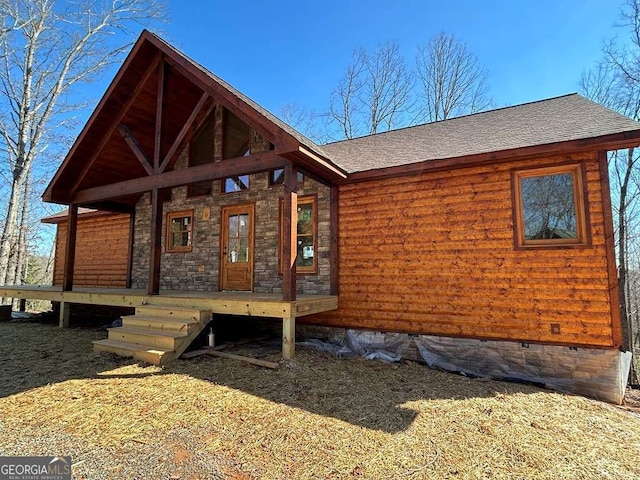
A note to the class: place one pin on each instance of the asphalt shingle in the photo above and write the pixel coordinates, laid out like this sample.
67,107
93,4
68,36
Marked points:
570,117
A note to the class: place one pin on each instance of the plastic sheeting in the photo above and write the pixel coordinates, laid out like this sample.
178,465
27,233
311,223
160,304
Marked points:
373,346
487,359
539,365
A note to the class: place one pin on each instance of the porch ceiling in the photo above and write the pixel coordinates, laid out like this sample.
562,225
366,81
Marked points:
146,118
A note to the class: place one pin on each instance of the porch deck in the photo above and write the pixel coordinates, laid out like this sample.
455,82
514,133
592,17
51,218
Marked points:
142,341
230,303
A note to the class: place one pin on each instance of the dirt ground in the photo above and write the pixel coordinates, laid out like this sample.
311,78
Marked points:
632,400
314,417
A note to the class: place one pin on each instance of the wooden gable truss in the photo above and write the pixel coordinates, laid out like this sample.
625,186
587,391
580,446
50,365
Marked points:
154,106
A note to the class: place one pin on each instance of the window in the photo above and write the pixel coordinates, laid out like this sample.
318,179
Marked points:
201,152
179,232
235,184
276,177
307,229
550,207
236,137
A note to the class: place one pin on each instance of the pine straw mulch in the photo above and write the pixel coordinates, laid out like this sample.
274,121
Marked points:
315,417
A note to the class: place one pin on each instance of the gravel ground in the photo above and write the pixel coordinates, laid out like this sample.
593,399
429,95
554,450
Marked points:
315,417
175,456
46,358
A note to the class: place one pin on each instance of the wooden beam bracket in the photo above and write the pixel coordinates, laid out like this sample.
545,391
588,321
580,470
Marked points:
116,122
136,148
185,130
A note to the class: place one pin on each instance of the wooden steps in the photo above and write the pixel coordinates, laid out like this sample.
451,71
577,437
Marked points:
156,334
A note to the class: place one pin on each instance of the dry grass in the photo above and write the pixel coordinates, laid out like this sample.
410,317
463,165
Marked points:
316,417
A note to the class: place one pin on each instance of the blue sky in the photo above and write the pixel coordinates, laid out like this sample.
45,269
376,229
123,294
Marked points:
295,51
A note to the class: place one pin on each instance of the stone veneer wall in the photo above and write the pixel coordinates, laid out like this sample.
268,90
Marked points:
198,270
597,373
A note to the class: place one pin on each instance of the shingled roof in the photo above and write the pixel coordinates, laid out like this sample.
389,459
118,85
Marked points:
560,119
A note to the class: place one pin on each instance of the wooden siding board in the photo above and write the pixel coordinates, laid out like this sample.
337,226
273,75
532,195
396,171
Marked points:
433,253
102,252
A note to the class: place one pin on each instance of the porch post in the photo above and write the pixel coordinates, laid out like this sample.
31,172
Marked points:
333,238
65,313
70,250
155,243
289,334
289,233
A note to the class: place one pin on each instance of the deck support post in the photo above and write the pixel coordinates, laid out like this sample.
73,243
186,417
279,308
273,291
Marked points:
333,239
70,250
65,311
289,335
155,250
23,305
289,233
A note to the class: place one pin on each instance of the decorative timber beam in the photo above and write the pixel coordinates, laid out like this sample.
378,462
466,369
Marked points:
136,148
116,122
258,162
159,116
70,248
186,128
157,199
289,233
283,141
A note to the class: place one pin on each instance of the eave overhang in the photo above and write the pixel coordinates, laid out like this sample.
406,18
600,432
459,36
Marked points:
617,141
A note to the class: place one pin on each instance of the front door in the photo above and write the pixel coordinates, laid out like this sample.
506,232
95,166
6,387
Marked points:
236,247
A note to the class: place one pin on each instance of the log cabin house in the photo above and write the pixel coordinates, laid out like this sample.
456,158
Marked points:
487,236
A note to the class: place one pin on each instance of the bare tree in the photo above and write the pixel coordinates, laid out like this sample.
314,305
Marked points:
47,47
374,93
451,80
304,120
615,82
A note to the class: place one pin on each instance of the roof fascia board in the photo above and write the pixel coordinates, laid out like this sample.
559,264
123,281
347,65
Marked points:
107,94
614,141
326,164
282,140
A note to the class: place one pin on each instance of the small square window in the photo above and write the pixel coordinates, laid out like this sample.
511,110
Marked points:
550,207
235,184
179,231
276,177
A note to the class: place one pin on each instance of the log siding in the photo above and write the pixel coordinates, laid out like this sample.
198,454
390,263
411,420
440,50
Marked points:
102,251
433,253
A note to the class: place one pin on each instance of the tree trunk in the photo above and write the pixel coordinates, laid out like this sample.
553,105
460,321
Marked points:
23,258
17,257
10,233
22,251
623,290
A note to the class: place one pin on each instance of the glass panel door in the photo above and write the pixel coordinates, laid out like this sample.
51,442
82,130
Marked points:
236,266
